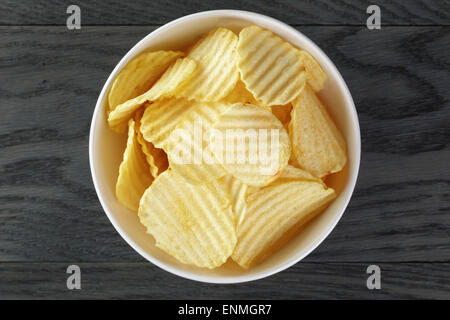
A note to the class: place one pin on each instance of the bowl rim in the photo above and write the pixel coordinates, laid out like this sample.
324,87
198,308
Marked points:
351,182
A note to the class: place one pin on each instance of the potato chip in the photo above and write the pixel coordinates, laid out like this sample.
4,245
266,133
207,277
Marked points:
318,146
175,75
255,147
188,150
271,68
216,73
315,76
139,75
274,214
193,223
236,191
160,119
156,158
134,173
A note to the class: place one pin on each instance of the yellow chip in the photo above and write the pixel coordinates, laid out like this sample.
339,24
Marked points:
317,144
315,76
178,73
271,68
274,214
156,158
254,146
216,73
139,75
160,119
193,223
236,191
134,173
189,149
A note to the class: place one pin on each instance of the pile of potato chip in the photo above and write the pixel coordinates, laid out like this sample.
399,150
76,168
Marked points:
205,213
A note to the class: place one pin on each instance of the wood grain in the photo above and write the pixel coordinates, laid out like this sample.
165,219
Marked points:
50,81
145,281
305,12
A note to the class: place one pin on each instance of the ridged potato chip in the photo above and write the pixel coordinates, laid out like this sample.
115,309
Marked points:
189,149
274,214
237,192
315,76
318,146
193,223
271,68
161,118
156,158
175,75
255,145
139,75
134,173
216,73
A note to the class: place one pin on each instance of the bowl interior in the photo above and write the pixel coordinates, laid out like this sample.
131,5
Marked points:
106,148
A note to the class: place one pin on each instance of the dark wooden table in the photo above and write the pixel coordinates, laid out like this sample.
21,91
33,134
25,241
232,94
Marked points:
399,216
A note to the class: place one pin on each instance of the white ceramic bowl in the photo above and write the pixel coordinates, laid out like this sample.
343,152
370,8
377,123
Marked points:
106,149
